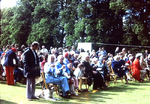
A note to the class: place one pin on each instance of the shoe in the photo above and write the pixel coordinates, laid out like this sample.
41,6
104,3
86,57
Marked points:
101,87
29,99
105,86
127,83
67,96
75,94
80,90
85,90
68,92
35,98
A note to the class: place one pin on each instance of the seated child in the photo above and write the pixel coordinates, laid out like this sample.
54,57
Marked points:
73,80
79,73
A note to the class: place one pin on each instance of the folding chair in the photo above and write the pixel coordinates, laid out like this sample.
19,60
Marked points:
45,85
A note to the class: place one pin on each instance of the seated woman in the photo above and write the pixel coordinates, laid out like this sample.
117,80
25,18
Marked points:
51,76
99,81
118,69
104,69
144,67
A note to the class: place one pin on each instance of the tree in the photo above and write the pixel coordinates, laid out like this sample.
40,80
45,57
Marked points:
6,17
137,22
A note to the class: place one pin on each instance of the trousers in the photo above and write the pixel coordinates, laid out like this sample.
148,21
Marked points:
10,75
30,87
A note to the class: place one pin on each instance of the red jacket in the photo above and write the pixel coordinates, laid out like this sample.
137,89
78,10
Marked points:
136,69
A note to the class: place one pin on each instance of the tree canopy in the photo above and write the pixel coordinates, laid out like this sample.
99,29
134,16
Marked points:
67,22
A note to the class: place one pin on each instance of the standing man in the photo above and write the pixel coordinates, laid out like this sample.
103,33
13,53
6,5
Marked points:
31,69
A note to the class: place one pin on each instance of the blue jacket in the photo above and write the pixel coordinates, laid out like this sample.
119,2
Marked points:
10,55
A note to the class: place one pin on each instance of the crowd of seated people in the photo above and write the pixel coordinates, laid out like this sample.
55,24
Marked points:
67,68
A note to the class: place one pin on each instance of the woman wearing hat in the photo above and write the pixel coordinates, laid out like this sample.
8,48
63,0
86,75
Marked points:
136,68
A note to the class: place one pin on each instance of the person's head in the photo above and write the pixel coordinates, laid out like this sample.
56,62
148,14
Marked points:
66,55
146,51
69,65
35,45
13,49
99,54
60,58
123,49
12,45
46,57
100,49
87,58
138,55
23,47
19,53
73,48
51,59
117,48
116,58
94,53
129,52
110,59
16,45
8,46
148,57
108,54
76,56
142,58
103,48
80,66
53,51
43,47
95,60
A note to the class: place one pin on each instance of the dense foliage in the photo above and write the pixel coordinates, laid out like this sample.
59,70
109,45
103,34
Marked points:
67,22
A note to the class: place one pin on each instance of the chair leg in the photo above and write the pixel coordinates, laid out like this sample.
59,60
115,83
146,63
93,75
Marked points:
122,79
80,83
86,83
115,79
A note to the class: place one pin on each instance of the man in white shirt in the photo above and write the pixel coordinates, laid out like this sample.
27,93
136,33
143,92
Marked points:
44,50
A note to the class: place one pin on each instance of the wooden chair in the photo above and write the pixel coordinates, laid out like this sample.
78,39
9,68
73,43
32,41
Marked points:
45,85
81,81
113,76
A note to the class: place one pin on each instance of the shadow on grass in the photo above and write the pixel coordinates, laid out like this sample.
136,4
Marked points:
18,84
98,96
6,102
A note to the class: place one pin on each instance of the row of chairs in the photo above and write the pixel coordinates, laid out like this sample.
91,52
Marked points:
56,87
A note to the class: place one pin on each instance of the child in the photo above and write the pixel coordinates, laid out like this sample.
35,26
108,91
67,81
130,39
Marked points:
79,73
73,80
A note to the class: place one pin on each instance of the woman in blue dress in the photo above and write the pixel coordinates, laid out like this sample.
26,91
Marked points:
51,76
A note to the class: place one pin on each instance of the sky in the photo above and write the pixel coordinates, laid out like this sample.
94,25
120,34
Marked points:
7,3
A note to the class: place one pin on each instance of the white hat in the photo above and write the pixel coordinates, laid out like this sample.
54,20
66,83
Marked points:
126,64
116,57
130,58
138,55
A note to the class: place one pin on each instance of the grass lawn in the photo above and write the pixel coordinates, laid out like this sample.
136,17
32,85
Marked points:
135,93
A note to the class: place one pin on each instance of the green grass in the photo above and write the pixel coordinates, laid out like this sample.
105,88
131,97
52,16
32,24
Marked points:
135,93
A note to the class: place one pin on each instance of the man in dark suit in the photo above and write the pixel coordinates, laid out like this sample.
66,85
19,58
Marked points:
31,69
9,65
